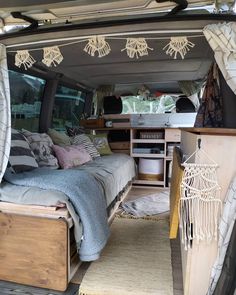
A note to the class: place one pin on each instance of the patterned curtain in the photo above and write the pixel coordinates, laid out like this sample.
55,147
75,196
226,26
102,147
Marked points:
226,226
210,113
5,113
222,39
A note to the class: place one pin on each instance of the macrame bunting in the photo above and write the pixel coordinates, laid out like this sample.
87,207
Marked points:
23,57
97,44
136,47
52,56
179,45
200,204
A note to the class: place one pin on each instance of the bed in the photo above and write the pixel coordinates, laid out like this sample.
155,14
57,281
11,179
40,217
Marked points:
42,229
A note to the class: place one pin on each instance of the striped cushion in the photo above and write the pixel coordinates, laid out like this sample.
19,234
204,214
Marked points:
21,157
85,141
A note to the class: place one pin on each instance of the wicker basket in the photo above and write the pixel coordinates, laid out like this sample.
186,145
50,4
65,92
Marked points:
151,169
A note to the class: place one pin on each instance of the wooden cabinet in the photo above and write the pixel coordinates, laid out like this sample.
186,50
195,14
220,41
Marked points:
37,247
153,148
220,145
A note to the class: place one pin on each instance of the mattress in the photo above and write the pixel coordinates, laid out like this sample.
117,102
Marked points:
112,172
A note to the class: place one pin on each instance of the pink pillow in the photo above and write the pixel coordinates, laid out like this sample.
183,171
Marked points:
71,156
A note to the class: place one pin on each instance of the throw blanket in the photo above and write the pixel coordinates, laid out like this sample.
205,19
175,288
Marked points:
86,196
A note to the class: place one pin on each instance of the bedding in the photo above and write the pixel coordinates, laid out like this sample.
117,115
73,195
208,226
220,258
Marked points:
84,140
111,174
71,156
21,156
101,143
41,145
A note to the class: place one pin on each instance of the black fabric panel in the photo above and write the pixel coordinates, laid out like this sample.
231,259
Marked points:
226,284
112,105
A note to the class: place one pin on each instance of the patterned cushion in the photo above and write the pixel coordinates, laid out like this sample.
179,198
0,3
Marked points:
41,144
85,141
101,143
59,138
71,156
21,157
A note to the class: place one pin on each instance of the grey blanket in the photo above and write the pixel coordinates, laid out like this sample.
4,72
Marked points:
85,194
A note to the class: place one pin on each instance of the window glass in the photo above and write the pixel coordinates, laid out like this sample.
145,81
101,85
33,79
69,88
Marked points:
68,107
26,95
155,105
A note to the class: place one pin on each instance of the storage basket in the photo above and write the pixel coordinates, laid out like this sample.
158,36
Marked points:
151,169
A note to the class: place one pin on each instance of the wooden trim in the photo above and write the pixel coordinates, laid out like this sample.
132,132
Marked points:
211,131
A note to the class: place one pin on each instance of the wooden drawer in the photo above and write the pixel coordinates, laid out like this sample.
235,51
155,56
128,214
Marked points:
120,145
173,135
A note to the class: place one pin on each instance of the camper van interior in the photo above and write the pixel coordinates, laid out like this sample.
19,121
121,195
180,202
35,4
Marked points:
117,147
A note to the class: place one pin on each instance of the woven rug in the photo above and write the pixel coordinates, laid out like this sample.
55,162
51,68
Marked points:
136,261
153,207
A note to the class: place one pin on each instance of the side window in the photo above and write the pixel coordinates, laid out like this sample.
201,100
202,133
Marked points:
26,95
68,107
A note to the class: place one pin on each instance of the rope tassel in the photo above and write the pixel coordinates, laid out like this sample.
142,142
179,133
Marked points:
97,44
136,47
23,57
179,45
52,56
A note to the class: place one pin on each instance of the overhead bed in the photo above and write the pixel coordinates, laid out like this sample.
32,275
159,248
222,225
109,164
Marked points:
46,229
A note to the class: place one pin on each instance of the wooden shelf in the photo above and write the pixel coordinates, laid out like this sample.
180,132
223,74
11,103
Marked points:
148,140
150,182
137,155
169,135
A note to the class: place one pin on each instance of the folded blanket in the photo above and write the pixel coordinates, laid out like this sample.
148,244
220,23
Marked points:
86,195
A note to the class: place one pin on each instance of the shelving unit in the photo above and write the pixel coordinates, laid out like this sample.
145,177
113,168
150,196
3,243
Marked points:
154,148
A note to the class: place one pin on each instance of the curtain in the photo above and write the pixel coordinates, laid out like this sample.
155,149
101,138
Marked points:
222,39
191,90
225,230
5,113
103,90
210,112
227,280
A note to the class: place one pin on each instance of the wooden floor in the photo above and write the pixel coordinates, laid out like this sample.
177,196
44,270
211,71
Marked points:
7,288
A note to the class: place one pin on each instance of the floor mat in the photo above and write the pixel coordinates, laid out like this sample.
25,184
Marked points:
136,260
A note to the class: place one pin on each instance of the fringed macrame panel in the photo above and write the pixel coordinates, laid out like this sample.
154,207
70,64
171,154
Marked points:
24,58
200,204
179,45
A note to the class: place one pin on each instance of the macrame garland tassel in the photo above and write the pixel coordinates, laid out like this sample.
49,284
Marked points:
97,44
52,56
179,45
200,204
24,58
136,47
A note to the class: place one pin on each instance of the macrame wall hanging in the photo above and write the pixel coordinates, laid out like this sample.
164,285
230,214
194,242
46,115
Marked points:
52,56
136,47
179,45
24,58
200,204
97,44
